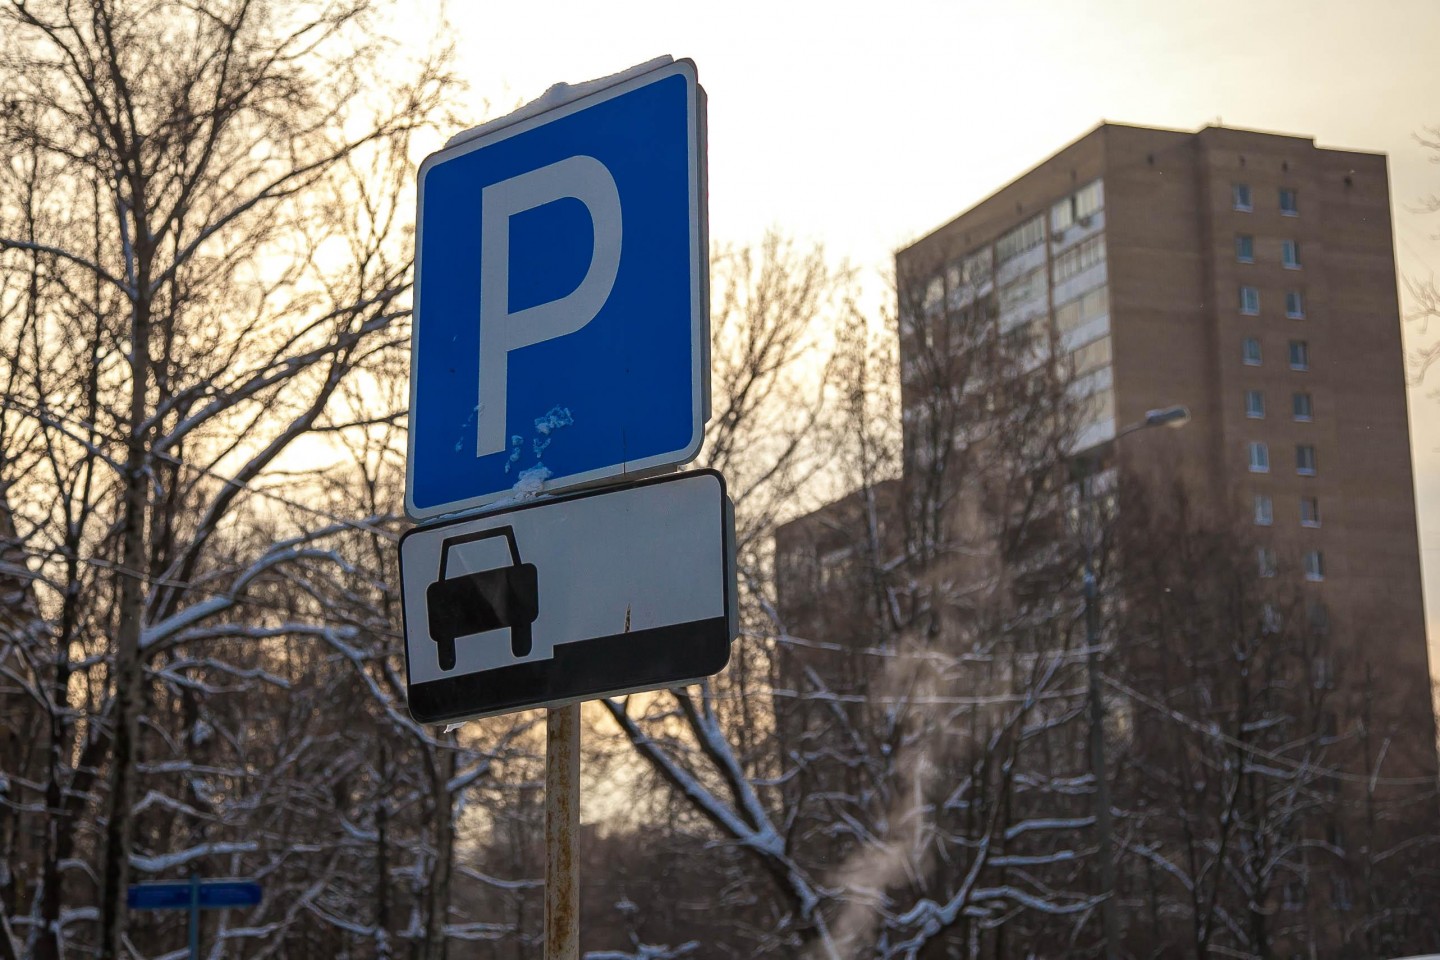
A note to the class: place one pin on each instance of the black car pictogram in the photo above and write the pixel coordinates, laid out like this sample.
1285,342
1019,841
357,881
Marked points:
488,600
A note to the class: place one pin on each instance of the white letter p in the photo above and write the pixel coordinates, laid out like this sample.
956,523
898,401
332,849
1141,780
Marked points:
581,178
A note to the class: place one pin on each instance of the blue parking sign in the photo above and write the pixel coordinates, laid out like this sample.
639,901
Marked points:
561,329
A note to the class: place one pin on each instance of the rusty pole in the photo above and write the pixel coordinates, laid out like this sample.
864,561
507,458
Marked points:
562,833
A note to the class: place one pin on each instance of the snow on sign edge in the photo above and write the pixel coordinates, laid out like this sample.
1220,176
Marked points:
557,95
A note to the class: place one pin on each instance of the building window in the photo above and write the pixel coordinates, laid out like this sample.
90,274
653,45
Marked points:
1299,355
1264,510
1029,234
1249,301
1250,352
934,296
1289,202
1266,558
1101,407
1255,404
1245,248
1062,216
1309,512
1088,200
1294,305
1074,314
1079,258
1091,357
1028,287
955,280
1305,460
1301,403
1241,194
1314,565
966,276
1079,207
1290,254
1259,457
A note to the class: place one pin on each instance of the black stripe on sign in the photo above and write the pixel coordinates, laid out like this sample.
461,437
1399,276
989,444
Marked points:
645,659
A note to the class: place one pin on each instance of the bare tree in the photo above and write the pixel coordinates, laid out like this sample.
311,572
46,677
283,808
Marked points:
201,241
772,369
885,792
1255,819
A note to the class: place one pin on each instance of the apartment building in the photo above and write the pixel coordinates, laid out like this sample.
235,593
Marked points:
1251,277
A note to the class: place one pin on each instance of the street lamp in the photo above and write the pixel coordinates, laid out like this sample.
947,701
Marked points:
1175,416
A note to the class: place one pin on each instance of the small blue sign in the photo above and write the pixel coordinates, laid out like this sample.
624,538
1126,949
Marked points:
561,329
208,894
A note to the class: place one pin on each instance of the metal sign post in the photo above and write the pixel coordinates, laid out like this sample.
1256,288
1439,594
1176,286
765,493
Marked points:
193,895
562,828
194,928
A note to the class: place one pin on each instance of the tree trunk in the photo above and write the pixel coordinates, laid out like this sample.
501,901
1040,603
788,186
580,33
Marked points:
130,698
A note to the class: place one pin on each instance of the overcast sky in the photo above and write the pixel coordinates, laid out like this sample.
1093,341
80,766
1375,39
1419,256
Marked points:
866,125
